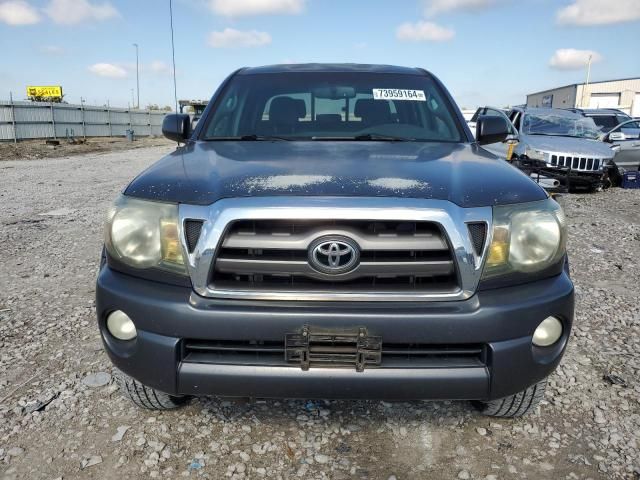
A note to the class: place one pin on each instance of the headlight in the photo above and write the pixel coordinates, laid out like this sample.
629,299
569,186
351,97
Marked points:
144,234
534,154
526,238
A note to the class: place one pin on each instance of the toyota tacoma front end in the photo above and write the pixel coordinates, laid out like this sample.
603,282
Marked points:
335,231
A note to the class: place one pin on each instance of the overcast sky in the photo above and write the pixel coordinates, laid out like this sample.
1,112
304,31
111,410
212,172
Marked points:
485,51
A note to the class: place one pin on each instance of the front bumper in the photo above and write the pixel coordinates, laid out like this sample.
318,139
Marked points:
502,320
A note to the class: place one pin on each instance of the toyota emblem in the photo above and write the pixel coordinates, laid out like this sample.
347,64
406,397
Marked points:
334,254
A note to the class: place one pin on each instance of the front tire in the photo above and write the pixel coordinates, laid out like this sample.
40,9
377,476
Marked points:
146,397
515,405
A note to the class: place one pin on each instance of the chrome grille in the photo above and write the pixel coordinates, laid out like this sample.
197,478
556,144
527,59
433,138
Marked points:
394,256
423,227
583,164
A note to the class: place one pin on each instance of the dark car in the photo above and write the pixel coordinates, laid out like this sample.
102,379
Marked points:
335,231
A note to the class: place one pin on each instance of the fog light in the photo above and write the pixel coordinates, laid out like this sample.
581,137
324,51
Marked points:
548,332
120,326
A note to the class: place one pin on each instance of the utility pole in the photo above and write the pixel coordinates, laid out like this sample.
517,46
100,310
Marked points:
84,126
137,76
586,84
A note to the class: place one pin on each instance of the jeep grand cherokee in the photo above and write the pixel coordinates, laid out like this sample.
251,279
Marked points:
334,231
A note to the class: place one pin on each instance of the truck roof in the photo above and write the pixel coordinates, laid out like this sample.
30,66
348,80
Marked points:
331,67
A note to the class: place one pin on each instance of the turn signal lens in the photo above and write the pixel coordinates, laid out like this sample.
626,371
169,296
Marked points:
499,248
171,250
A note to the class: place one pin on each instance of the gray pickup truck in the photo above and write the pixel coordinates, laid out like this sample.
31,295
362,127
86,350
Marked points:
335,231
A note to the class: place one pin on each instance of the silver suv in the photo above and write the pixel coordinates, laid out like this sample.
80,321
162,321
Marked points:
563,146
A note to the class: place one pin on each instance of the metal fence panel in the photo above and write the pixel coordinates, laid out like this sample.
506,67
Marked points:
96,116
5,114
6,131
97,130
34,130
32,114
64,130
67,115
120,117
47,120
119,130
140,118
156,119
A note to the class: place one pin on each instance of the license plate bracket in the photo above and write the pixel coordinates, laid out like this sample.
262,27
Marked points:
337,348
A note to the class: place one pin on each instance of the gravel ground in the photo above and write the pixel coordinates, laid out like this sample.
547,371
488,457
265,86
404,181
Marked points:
61,416
37,149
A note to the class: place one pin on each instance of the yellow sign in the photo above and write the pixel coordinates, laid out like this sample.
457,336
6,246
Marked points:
54,91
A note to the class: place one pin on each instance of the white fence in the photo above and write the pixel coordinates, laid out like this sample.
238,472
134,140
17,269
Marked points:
25,120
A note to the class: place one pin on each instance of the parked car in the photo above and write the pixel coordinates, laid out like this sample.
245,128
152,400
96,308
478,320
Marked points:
604,118
626,137
335,231
561,145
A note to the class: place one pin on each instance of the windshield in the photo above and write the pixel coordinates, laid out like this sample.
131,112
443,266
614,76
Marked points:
559,125
332,106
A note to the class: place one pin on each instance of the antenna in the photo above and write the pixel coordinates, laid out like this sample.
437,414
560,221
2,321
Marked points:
173,59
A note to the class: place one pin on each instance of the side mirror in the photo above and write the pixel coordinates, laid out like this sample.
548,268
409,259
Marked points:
491,129
617,137
177,127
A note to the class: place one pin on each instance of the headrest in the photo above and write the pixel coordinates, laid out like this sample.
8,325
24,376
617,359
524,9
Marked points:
287,110
373,111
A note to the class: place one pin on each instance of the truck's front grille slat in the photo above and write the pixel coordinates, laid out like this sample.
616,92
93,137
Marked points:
299,241
581,164
430,268
395,256
272,353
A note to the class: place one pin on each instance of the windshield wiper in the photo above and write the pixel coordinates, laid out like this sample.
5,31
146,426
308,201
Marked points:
558,135
383,138
247,138
263,138
367,137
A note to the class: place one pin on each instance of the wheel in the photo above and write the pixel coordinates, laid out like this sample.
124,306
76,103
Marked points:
515,405
146,397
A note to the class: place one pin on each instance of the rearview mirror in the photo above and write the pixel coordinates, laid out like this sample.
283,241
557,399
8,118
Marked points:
177,127
334,92
617,137
490,129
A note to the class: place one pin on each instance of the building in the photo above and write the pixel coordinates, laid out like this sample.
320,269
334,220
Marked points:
623,94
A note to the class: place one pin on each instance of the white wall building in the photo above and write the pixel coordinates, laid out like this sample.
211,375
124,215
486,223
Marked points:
623,94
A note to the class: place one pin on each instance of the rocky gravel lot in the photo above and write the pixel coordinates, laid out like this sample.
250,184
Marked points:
61,416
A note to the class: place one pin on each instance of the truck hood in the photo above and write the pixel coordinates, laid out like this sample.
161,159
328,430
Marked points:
567,145
204,172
